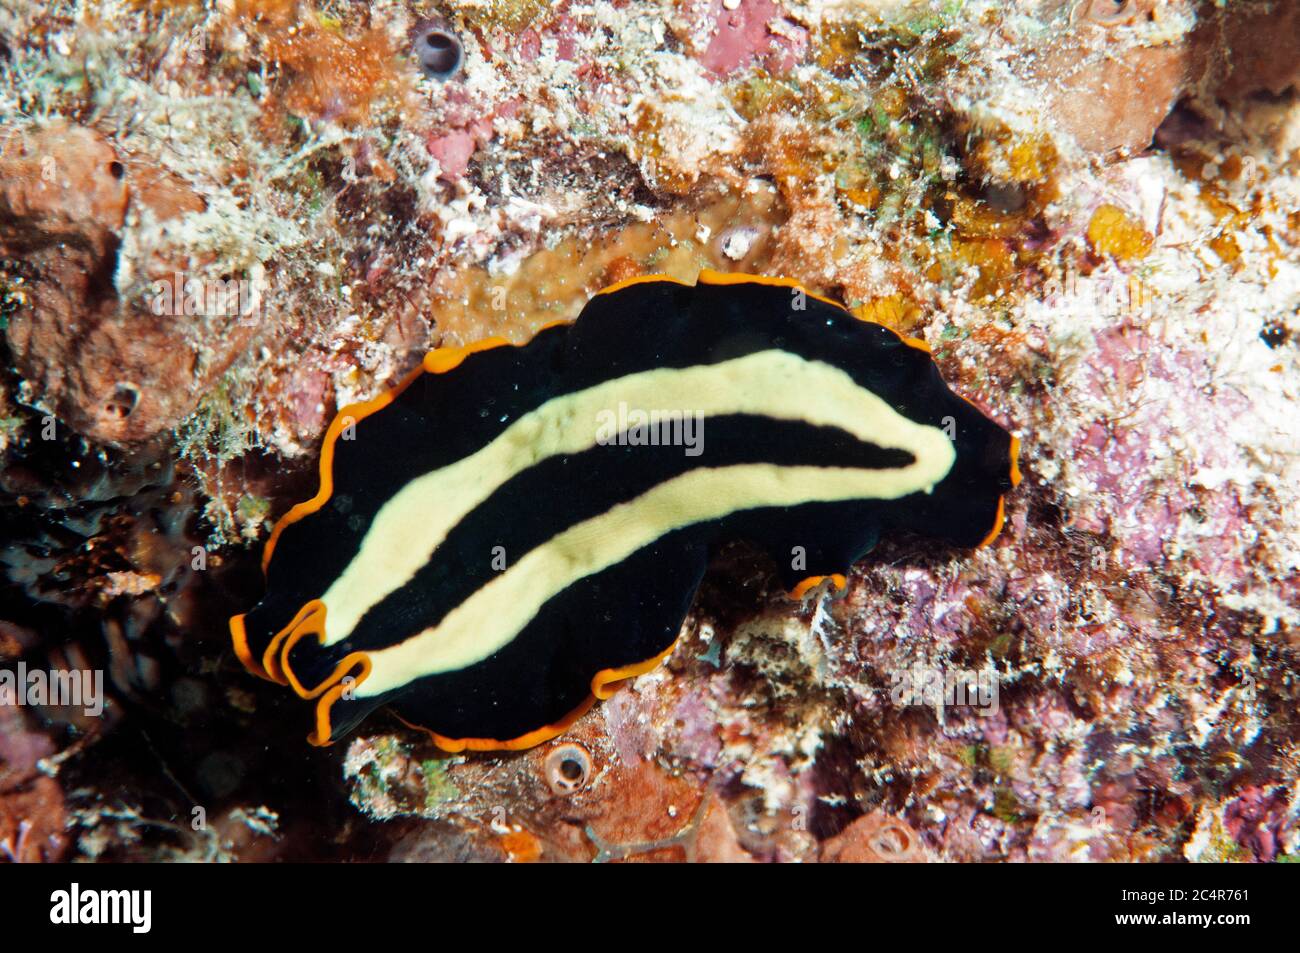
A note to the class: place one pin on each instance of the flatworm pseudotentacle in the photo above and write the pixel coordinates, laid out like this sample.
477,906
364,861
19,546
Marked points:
496,573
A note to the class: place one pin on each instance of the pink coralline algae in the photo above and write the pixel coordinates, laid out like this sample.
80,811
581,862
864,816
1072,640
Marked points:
454,149
1123,452
752,31
32,817
1257,819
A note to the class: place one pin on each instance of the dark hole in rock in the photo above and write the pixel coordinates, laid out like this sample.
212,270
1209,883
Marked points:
1183,124
1007,198
123,401
99,282
891,840
1274,334
439,53
116,169
567,769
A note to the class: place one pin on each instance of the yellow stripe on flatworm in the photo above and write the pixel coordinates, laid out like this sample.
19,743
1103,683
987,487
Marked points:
499,610
777,384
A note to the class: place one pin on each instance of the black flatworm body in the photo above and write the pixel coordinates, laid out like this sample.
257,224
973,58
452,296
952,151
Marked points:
513,531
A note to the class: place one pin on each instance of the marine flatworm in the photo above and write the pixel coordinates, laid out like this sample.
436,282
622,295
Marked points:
513,531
